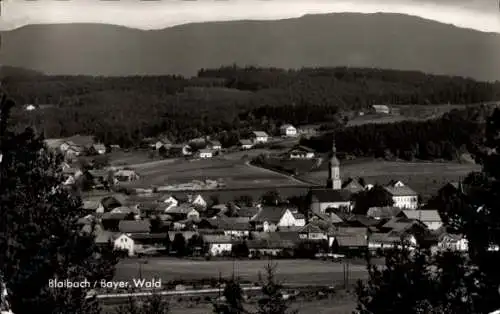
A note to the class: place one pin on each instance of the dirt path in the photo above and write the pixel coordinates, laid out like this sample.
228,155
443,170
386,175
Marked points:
294,179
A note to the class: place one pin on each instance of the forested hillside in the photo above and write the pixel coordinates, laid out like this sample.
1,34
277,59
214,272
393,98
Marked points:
458,131
227,102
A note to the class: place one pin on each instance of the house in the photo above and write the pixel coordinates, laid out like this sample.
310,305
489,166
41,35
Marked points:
430,218
383,241
109,203
349,240
260,137
403,196
385,212
169,201
321,199
301,152
270,218
98,149
214,145
206,153
216,245
126,175
381,109
300,219
134,226
353,186
246,144
183,211
288,130
312,232
270,247
126,243
197,200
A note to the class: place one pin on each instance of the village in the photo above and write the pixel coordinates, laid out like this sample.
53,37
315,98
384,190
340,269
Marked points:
159,223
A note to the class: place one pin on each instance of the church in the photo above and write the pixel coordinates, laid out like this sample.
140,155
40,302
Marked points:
333,196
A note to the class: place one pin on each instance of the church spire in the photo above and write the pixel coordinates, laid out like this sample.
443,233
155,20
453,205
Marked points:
334,181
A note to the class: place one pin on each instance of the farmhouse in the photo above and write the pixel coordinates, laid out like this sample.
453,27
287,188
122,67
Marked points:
312,232
126,243
288,130
301,152
246,144
260,137
205,153
126,175
430,218
381,109
183,211
270,218
217,245
402,195
215,145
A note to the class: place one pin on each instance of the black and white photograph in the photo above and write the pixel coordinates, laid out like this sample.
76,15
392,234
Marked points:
250,157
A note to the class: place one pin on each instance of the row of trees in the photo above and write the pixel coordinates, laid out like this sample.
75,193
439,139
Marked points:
227,102
456,132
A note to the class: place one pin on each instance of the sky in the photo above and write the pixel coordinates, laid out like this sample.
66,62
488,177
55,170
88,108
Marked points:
482,15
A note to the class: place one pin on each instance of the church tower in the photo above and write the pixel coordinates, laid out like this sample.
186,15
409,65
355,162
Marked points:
334,181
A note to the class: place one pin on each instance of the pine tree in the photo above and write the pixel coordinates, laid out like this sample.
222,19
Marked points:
39,238
233,299
272,301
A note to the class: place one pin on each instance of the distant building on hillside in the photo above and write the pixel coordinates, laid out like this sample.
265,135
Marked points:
381,109
288,130
260,137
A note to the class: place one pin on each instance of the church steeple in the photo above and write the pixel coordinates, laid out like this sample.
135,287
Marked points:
334,181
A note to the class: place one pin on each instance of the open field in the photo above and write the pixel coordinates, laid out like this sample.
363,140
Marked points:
293,272
234,173
423,177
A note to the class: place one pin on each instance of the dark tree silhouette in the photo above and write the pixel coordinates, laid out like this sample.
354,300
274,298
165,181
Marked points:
39,237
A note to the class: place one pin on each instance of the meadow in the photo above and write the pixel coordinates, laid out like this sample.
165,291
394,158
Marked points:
423,177
292,272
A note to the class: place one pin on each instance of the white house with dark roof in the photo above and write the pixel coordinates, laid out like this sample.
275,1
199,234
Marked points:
246,144
260,137
218,244
270,218
288,130
301,152
402,195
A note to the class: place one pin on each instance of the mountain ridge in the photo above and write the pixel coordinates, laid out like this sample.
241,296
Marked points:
381,40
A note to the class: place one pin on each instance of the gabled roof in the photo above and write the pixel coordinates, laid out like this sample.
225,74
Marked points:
352,240
246,142
181,209
301,148
383,212
260,134
395,190
330,196
134,226
147,236
310,228
215,143
383,238
352,185
286,126
270,214
427,215
248,211
216,238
